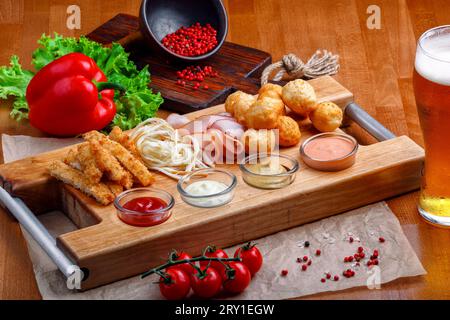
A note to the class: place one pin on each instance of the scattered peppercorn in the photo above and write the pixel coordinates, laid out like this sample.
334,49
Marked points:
336,278
305,258
309,262
322,280
304,267
328,276
284,273
318,252
360,249
351,239
299,260
348,273
197,74
381,239
306,244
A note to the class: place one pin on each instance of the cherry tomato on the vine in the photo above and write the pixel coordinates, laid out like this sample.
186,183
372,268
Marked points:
251,257
237,279
186,267
207,284
212,252
176,285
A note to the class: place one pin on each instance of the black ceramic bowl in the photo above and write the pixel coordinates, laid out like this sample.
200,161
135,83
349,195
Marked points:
161,17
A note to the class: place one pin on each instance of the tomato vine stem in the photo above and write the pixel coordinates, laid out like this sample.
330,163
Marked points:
171,263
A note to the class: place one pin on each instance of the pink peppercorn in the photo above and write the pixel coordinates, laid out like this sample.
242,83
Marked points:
191,41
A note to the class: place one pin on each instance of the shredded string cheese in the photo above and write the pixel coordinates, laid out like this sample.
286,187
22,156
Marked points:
163,149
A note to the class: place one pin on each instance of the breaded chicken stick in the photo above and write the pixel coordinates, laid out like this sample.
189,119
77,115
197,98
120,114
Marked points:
117,135
88,163
107,163
115,188
71,158
75,178
137,169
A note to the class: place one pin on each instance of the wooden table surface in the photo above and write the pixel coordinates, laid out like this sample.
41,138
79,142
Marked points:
376,65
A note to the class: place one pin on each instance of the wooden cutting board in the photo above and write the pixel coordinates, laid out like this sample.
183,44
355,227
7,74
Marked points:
112,250
239,68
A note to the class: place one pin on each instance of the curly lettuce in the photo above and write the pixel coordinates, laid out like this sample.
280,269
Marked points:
136,105
13,83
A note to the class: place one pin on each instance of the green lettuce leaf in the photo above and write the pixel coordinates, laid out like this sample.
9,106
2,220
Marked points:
13,82
136,105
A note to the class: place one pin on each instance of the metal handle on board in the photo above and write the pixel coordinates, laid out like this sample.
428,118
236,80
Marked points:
39,233
367,122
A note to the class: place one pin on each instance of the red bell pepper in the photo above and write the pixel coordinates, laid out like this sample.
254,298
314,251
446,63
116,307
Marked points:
70,96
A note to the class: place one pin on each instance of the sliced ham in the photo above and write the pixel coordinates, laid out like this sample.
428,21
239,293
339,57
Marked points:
229,127
177,121
223,122
219,135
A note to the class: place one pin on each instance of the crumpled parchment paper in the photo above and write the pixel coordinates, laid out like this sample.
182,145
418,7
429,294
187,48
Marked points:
280,250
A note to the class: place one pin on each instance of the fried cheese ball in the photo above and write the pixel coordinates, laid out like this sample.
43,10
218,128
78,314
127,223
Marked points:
264,113
299,96
270,90
259,141
237,104
327,117
289,132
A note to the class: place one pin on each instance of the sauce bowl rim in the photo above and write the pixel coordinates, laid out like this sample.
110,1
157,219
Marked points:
152,212
186,178
335,134
290,172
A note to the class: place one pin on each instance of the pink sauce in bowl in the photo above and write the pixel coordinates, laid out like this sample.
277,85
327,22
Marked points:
329,151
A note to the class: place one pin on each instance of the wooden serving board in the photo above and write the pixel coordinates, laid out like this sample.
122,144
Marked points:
112,250
239,68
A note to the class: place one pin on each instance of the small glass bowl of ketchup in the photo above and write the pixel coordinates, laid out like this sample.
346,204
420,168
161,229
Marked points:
144,207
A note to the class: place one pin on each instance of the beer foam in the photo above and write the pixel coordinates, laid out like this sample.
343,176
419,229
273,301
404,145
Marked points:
433,59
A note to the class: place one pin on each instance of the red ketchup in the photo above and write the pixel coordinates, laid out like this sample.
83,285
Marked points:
145,214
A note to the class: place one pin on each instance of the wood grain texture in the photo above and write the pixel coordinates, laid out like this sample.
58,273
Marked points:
29,178
239,67
104,245
277,27
107,248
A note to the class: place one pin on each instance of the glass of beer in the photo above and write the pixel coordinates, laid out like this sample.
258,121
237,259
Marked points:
432,91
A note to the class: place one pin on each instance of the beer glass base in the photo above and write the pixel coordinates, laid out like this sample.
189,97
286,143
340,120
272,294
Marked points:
438,221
